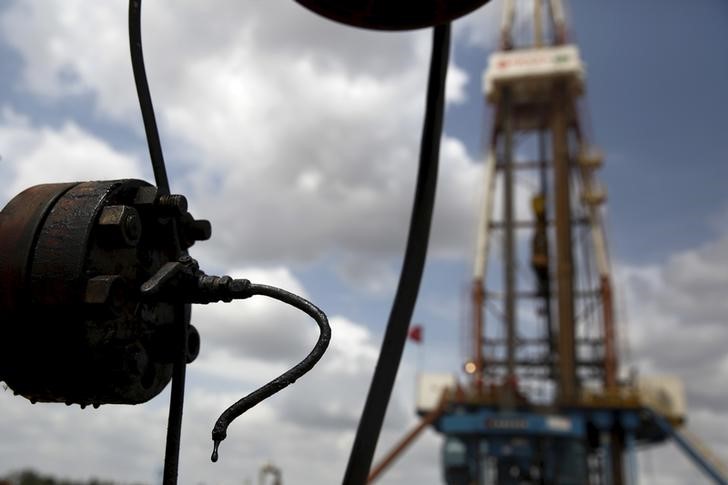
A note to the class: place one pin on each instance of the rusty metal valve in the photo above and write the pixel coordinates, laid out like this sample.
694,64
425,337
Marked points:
95,291
73,257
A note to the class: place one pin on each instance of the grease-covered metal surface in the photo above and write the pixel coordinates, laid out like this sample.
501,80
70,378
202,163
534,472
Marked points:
20,222
74,328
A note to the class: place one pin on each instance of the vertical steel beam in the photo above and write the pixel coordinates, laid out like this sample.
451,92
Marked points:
537,24
509,10
610,351
509,246
546,288
479,271
478,333
559,18
617,453
564,254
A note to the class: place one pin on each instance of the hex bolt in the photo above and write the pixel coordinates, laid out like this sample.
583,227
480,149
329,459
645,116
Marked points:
105,289
120,224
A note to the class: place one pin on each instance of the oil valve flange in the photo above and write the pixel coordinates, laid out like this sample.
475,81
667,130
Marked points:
73,257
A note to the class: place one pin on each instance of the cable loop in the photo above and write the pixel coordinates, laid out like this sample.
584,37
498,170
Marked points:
219,432
183,281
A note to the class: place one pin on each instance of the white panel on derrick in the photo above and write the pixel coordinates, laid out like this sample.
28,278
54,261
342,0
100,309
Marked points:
533,70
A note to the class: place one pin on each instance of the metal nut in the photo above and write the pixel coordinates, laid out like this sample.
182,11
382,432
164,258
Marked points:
105,289
120,224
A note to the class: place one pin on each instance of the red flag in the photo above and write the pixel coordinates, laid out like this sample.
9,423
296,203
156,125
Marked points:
415,333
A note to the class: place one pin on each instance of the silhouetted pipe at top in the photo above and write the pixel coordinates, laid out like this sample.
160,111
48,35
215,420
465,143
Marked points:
392,14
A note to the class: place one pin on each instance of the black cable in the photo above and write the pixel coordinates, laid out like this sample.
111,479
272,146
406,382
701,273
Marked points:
380,390
145,98
244,290
177,394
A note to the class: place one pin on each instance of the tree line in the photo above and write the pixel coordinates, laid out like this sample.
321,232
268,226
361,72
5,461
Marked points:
31,477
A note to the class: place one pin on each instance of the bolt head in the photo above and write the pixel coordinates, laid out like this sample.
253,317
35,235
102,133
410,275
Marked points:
120,224
105,289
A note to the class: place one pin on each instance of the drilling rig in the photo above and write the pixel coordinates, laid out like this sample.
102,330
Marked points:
543,400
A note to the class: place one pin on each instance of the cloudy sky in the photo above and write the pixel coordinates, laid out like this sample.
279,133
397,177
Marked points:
298,139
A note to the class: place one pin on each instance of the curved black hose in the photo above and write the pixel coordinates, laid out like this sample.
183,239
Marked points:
145,98
219,432
395,336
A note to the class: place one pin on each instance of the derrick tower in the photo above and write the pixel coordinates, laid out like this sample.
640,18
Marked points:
542,401
543,369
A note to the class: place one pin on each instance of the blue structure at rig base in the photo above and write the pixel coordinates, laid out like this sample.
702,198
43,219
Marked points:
486,446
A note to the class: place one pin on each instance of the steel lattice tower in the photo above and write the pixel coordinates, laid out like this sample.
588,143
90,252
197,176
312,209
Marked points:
543,402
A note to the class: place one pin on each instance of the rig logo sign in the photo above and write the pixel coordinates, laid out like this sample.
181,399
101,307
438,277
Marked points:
540,59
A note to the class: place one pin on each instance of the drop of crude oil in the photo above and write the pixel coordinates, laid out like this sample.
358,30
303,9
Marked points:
216,445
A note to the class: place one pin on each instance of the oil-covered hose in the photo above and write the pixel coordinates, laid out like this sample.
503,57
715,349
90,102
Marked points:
395,336
182,280
219,432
